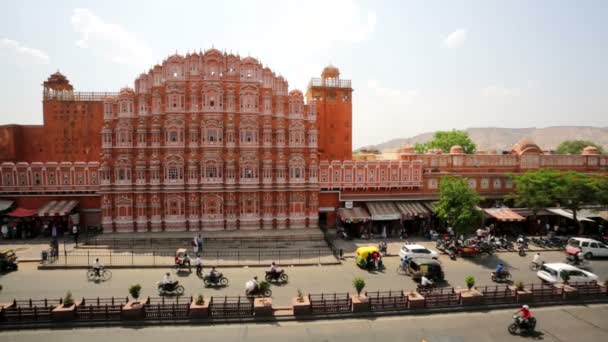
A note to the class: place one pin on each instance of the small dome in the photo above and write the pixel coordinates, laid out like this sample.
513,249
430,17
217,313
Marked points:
590,150
330,71
296,92
456,149
526,146
407,149
58,81
126,92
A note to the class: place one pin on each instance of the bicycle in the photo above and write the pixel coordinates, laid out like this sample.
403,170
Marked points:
401,269
535,266
103,274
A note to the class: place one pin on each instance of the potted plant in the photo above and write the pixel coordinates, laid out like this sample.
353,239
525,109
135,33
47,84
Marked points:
301,304
523,294
470,281
134,291
66,310
133,309
519,286
359,285
199,308
360,303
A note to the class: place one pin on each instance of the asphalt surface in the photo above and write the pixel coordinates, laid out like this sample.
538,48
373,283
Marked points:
29,282
564,323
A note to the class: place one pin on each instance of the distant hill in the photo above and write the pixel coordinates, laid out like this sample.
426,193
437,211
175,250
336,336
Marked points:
494,138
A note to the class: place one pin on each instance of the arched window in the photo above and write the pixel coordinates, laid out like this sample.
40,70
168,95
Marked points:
174,170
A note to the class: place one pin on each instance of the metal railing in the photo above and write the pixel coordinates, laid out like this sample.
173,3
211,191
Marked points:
78,96
329,82
219,257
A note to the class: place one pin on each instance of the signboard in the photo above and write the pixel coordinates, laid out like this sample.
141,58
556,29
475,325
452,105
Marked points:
348,204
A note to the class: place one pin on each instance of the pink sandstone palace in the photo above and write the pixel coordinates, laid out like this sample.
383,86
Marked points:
212,141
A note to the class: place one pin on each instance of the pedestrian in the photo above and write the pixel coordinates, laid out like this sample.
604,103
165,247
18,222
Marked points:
199,242
54,231
4,230
75,232
195,245
14,231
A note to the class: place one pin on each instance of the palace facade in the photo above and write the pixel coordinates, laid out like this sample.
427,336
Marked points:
212,141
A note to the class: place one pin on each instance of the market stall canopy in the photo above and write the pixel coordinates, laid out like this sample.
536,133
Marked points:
57,208
504,214
567,214
383,211
413,209
354,215
22,212
5,204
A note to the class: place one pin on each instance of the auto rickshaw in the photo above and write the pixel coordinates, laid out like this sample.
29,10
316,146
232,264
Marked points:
431,268
8,260
364,257
180,260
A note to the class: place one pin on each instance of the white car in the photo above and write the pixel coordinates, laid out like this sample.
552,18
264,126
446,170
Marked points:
590,248
552,273
417,251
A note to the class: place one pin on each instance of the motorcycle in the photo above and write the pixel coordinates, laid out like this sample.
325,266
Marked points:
518,327
276,276
505,276
217,280
576,262
260,291
425,288
522,249
170,288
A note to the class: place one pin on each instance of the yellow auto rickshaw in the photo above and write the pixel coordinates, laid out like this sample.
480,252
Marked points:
8,260
182,260
368,257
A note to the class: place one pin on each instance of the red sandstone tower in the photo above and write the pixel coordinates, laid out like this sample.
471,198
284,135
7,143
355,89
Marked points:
333,97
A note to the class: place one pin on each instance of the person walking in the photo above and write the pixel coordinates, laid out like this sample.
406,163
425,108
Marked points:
195,245
4,230
75,233
199,242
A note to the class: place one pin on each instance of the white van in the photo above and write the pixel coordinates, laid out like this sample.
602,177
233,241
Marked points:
590,248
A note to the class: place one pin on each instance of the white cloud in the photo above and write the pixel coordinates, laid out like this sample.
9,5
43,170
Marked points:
9,46
111,40
500,91
456,39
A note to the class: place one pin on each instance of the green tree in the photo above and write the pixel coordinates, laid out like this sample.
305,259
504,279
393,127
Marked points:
573,190
600,183
535,190
445,139
576,146
458,204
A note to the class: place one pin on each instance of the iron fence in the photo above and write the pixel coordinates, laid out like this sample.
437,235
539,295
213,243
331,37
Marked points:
217,257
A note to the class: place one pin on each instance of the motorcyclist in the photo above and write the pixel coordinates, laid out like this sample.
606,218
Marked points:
167,280
213,274
425,282
500,271
251,285
274,269
97,267
577,259
524,315
186,260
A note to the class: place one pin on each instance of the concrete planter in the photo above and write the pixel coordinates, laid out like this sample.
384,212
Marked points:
199,311
415,300
133,310
523,296
568,291
3,307
64,313
470,297
262,307
301,308
359,303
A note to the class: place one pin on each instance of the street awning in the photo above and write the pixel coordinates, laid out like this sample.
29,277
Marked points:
354,215
412,209
383,211
504,214
567,214
5,204
430,206
604,214
22,212
57,208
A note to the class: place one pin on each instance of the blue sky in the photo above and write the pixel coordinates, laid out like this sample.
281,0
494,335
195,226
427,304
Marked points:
416,66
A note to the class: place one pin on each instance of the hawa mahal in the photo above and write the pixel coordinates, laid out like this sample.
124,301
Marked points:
212,141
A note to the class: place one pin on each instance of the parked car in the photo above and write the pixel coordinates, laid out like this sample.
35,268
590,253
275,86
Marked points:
417,251
555,273
590,248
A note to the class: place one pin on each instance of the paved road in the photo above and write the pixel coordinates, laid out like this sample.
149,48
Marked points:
29,282
564,323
